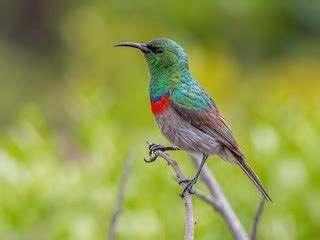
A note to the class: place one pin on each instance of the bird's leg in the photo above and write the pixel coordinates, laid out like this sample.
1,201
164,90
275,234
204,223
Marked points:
189,183
155,147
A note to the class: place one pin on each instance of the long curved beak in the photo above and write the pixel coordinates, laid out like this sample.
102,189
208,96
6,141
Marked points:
143,47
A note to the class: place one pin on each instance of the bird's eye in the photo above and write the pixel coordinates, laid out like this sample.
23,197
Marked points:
155,49
159,50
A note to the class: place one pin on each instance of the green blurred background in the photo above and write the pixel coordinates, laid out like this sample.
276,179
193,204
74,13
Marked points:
71,107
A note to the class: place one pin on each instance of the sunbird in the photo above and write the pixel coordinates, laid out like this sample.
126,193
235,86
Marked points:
186,115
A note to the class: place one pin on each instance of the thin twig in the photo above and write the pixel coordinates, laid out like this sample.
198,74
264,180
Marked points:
119,201
221,203
257,218
189,225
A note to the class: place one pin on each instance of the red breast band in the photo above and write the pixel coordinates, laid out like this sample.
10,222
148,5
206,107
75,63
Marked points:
161,105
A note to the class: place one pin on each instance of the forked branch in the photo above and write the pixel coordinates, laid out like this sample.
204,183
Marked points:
216,199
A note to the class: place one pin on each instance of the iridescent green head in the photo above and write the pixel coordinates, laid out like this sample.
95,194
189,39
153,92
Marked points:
162,55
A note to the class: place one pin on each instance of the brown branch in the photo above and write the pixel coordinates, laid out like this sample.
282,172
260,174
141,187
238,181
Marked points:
220,203
257,218
189,225
119,201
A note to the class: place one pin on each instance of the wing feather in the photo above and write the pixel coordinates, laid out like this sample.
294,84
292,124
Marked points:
212,123
206,117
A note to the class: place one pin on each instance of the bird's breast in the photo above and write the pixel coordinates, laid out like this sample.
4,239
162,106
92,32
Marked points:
159,105
182,134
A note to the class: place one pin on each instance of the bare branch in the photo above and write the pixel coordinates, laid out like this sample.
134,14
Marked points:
257,218
189,225
220,202
119,201
216,199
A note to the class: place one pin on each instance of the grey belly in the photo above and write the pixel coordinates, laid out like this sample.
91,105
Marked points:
182,134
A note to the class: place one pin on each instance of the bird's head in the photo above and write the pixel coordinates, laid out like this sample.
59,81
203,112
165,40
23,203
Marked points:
161,54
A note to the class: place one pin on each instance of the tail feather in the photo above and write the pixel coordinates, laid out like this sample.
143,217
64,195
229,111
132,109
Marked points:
238,158
254,178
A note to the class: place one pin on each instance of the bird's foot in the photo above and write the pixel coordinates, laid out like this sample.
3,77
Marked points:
157,147
188,184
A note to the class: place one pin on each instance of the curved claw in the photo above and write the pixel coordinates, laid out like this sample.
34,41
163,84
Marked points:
156,147
152,148
151,159
188,186
183,181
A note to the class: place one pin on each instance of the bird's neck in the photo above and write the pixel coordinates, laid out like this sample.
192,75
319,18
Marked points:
166,79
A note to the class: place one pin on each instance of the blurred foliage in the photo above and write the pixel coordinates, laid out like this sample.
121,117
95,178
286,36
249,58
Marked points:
72,106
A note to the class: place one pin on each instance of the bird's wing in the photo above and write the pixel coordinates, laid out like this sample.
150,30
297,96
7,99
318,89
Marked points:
197,108
205,116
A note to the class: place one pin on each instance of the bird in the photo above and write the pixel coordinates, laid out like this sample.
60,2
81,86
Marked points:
184,112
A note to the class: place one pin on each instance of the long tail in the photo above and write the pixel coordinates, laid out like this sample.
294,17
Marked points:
254,178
